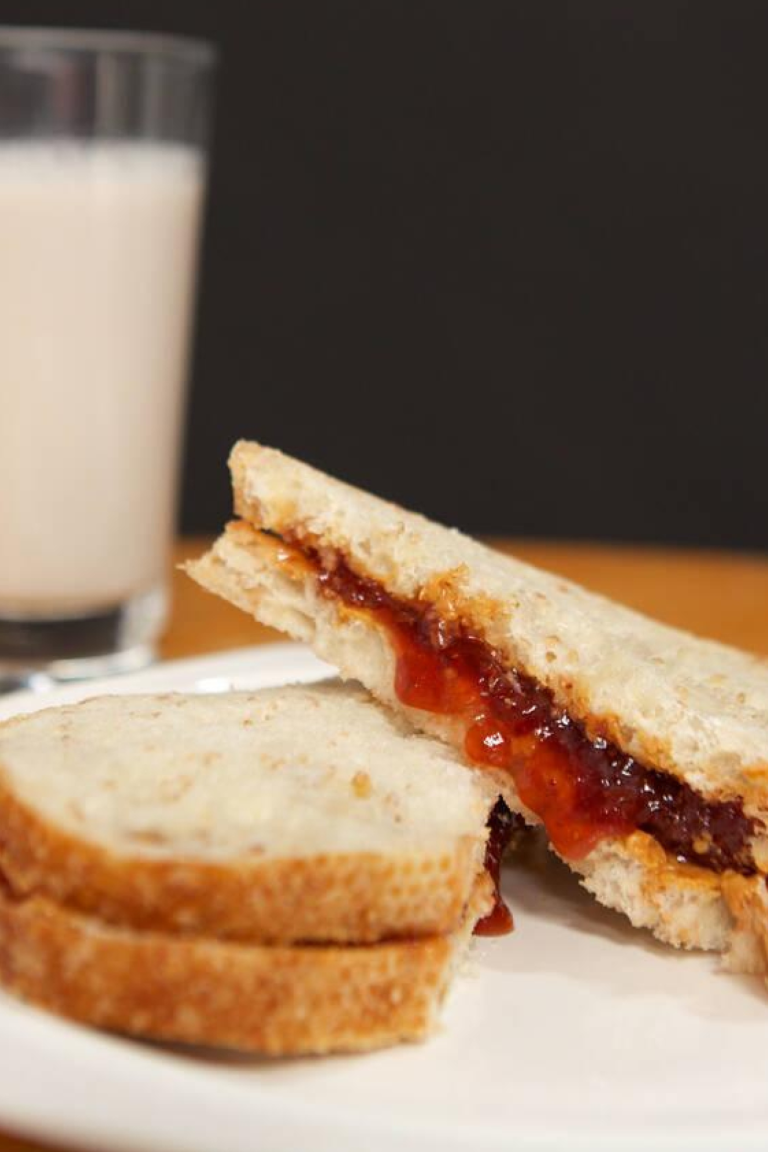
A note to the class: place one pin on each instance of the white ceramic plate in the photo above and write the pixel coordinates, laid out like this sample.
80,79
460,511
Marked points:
574,1033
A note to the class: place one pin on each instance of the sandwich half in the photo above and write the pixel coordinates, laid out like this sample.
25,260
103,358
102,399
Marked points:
641,749
283,871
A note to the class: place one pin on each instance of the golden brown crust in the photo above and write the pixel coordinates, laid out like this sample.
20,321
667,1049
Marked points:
277,1001
357,897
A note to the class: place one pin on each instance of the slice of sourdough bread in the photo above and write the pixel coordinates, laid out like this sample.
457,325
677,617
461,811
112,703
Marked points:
273,1000
691,708
304,814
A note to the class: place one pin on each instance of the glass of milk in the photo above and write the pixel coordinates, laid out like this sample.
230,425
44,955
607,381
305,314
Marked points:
102,177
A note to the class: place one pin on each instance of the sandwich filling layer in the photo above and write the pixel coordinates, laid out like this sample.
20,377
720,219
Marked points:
502,827
582,787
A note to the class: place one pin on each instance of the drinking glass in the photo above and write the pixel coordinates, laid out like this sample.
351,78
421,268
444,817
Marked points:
102,176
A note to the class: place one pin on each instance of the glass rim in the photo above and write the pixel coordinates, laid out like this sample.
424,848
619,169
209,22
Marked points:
95,40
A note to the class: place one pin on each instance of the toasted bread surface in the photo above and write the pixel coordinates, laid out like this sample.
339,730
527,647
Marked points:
272,1000
299,814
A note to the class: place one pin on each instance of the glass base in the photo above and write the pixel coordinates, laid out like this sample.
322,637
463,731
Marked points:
34,652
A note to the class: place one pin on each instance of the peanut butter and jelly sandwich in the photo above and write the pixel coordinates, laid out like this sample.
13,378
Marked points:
642,750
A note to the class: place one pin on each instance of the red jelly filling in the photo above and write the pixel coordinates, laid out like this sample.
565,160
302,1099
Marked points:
502,825
582,789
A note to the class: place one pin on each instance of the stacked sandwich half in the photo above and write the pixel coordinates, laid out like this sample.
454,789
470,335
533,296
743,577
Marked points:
283,872
642,751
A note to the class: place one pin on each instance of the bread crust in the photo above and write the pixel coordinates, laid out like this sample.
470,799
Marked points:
681,904
357,898
690,707
273,1000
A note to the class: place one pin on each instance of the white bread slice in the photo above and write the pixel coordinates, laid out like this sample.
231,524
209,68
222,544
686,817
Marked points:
690,707
305,813
274,1000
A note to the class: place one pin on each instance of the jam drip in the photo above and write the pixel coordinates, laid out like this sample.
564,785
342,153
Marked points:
502,825
582,789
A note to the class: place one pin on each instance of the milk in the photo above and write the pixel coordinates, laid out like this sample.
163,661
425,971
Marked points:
97,261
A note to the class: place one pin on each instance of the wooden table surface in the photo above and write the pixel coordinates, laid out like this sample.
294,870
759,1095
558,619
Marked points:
721,595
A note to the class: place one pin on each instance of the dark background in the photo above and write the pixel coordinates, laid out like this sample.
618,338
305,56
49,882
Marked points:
503,261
